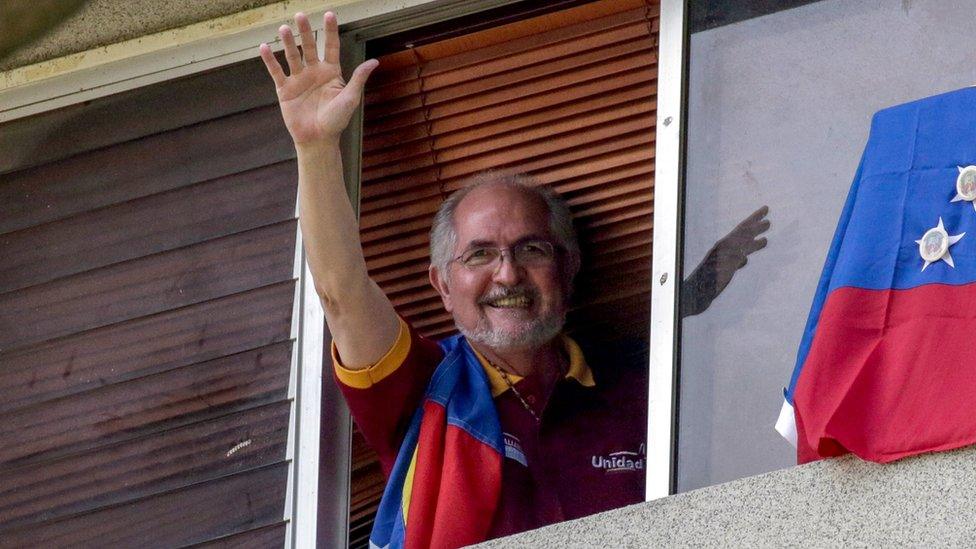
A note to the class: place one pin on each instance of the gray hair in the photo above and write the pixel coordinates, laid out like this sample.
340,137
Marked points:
443,236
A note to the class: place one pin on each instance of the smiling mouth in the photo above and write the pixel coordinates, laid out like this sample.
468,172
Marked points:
521,302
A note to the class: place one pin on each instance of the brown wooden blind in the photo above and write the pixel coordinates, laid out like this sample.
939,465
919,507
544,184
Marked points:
568,97
146,293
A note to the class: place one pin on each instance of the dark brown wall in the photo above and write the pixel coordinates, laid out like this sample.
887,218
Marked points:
146,289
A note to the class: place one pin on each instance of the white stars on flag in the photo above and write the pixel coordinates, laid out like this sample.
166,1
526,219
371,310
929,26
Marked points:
966,185
934,245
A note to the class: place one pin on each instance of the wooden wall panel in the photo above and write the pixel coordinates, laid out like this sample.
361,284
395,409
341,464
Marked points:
153,224
143,405
148,285
146,301
144,466
144,346
95,124
267,536
193,514
146,166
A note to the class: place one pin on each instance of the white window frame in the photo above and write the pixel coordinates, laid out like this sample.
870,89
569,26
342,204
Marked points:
196,48
662,398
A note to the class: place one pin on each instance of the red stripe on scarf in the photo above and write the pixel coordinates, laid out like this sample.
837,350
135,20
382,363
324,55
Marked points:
456,485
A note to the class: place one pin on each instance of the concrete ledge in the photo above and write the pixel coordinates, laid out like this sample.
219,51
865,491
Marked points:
926,500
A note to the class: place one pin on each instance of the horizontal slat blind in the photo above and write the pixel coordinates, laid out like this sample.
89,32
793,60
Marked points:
146,294
568,97
572,105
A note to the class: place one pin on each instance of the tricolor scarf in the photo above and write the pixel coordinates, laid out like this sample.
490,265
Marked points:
446,481
887,364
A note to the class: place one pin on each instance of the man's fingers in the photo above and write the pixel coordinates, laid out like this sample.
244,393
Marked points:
358,79
291,50
271,63
308,39
331,38
351,94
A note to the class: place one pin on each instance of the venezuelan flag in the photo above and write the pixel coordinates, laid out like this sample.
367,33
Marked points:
887,364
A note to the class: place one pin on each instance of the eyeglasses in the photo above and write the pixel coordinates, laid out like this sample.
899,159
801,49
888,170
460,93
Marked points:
530,253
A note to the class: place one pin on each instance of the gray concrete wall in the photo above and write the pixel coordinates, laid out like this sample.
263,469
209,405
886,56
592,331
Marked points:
103,22
925,501
780,108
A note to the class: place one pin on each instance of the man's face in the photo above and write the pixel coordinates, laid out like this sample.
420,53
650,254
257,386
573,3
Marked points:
503,305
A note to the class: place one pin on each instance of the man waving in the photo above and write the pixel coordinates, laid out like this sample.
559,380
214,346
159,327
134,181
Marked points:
504,427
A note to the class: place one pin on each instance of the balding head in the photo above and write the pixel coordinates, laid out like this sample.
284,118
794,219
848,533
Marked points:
443,233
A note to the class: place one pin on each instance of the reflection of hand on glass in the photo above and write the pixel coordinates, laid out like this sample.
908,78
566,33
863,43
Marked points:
727,256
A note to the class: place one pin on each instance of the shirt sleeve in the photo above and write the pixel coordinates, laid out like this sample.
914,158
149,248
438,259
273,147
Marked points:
383,397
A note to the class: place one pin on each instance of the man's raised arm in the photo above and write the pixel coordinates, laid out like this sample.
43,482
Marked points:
316,105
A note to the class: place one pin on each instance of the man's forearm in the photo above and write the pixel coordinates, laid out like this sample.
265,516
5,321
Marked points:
316,106
328,224
361,318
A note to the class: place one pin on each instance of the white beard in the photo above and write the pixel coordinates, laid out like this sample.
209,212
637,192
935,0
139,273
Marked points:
540,332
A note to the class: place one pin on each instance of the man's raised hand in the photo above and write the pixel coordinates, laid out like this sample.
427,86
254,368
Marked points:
316,103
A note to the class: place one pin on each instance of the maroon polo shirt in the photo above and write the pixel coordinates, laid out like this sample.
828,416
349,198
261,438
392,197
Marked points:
586,456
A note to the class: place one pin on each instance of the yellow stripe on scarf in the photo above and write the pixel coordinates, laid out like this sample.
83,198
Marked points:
408,487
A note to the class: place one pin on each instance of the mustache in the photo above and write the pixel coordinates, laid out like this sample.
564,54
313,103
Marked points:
504,292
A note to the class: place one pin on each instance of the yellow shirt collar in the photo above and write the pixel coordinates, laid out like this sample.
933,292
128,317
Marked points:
578,368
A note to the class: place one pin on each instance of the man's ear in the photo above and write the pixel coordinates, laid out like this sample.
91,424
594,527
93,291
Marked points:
439,281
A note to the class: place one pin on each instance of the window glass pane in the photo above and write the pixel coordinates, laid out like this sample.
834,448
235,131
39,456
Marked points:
780,109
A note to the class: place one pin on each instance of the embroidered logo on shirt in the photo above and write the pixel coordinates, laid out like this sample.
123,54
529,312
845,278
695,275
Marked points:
620,461
513,449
